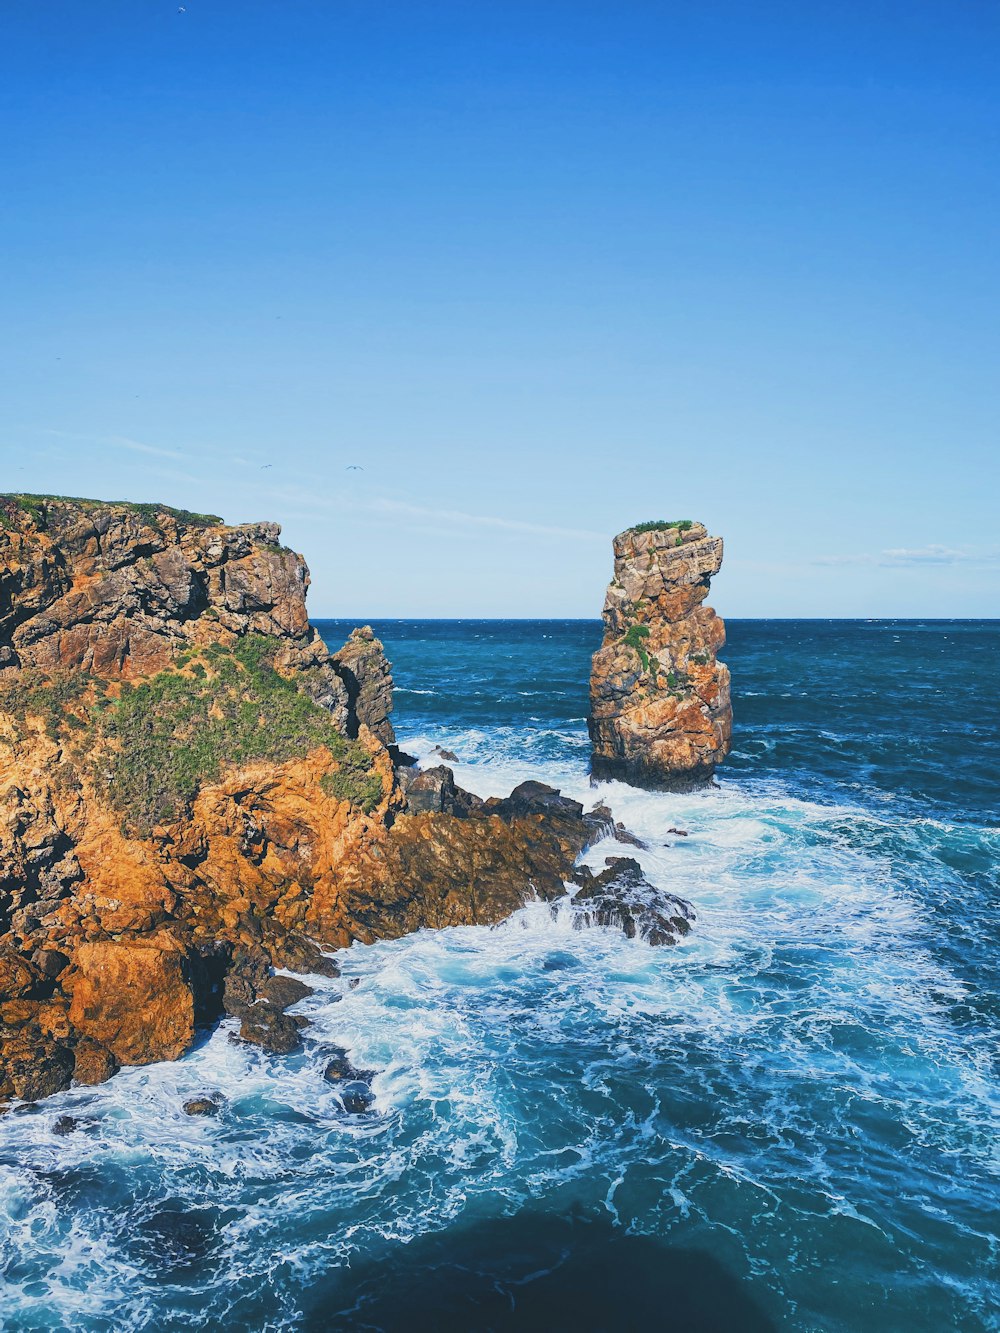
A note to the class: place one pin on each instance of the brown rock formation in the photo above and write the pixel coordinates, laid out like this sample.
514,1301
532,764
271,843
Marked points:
362,666
660,713
120,589
193,791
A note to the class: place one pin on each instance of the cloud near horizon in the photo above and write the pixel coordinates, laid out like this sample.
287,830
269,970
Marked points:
904,557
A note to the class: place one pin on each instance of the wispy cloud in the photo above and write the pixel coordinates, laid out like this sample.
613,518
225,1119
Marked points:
426,518
914,557
459,518
138,447
320,493
118,442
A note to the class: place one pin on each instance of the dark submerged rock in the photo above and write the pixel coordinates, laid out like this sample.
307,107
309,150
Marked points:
340,1070
621,834
174,1238
536,1272
357,1097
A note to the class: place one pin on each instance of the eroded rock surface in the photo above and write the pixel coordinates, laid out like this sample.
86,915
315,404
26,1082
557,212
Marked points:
364,669
660,711
194,792
622,896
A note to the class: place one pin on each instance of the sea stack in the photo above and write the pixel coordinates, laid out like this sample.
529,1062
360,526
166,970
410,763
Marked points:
660,712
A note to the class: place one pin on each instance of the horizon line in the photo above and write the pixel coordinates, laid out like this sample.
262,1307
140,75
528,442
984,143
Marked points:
596,620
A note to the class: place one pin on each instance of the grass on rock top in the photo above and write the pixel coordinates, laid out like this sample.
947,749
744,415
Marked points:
662,524
36,507
157,743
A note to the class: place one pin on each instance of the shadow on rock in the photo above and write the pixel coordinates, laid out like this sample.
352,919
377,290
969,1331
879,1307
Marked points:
536,1271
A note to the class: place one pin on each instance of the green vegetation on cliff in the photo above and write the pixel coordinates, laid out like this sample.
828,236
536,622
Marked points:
662,524
37,506
182,727
353,780
151,748
56,701
634,638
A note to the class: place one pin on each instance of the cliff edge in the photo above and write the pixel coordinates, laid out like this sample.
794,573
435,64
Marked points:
660,711
194,792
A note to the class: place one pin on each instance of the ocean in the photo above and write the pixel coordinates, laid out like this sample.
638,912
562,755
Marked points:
790,1121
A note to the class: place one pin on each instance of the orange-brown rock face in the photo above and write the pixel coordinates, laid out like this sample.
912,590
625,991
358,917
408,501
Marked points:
660,712
119,589
130,997
193,791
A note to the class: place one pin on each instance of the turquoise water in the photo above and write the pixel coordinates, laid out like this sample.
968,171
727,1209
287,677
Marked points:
788,1122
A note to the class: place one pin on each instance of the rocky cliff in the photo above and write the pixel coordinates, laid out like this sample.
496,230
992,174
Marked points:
660,712
193,791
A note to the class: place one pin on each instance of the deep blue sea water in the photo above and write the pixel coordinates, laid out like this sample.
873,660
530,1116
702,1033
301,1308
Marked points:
791,1121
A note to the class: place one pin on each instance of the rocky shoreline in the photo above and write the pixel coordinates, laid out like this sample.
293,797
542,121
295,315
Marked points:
195,793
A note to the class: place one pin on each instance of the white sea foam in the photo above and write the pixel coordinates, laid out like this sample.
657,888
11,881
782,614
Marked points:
718,1084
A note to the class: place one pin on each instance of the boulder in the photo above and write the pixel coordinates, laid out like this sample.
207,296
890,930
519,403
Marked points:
272,1030
536,798
282,992
202,1106
433,791
92,1062
34,1066
621,896
340,1070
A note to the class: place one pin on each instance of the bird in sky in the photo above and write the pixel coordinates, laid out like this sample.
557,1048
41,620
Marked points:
265,466
354,468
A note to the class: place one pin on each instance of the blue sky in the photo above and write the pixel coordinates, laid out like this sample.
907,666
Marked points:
540,270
